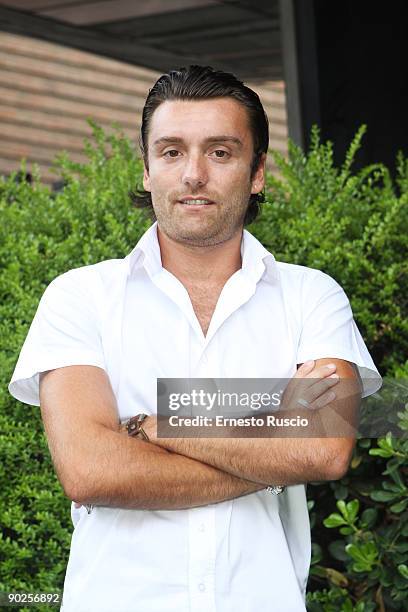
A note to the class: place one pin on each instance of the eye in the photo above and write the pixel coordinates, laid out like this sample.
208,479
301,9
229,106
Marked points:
170,153
221,154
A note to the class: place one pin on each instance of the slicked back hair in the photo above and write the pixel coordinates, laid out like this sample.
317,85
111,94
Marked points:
202,83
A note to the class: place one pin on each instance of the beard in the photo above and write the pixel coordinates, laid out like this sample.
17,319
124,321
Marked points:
202,228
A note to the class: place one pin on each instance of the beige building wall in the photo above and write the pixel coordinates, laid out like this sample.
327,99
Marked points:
47,91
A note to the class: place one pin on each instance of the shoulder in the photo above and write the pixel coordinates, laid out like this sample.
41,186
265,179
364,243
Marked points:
305,280
86,288
88,276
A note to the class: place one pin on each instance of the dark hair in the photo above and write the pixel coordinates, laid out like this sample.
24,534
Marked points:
203,82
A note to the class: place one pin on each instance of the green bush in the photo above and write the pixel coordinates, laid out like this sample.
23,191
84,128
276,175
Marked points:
43,234
351,225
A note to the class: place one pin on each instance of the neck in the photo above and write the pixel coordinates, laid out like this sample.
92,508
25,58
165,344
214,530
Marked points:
198,264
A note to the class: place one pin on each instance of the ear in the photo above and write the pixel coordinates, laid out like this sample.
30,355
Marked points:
146,179
258,180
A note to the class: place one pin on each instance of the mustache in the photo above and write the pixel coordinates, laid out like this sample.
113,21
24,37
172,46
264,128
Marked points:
195,195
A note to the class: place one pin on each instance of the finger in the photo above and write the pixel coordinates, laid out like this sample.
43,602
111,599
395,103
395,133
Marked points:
298,387
310,377
305,368
305,377
323,371
323,400
320,386
309,390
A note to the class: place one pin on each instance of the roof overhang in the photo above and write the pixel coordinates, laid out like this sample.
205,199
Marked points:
240,36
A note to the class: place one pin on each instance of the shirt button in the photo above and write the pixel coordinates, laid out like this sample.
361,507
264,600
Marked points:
201,586
201,527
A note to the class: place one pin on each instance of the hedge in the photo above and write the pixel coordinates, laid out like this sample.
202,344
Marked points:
352,225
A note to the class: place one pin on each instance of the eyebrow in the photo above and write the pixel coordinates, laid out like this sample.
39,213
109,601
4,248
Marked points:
176,140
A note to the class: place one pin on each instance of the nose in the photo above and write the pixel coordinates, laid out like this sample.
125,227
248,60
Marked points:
195,172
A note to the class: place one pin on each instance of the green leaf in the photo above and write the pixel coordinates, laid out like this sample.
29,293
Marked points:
382,496
389,440
337,550
336,577
381,452
399,506
341,504
346,530
341,492
364,442
365,555
310,504
352,510
334,520
317,554
355,462
318,570
369,517
403,570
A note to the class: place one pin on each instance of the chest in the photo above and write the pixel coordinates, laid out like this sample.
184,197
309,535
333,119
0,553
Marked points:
204,299
158,338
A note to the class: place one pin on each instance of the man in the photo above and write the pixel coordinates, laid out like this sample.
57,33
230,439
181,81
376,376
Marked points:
188,524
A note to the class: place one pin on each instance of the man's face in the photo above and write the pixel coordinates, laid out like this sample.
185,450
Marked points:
201,149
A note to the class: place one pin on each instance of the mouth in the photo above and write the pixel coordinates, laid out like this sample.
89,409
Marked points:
197,204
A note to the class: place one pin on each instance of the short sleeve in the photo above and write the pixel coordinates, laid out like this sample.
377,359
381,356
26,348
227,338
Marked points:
329,329
65,331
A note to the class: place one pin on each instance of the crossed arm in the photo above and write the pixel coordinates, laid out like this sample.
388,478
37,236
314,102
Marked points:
285,460
96,464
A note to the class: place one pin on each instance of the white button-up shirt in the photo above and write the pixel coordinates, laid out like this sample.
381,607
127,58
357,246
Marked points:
135,319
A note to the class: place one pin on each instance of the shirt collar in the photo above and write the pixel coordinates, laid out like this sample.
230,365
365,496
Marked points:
257,262
146,253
